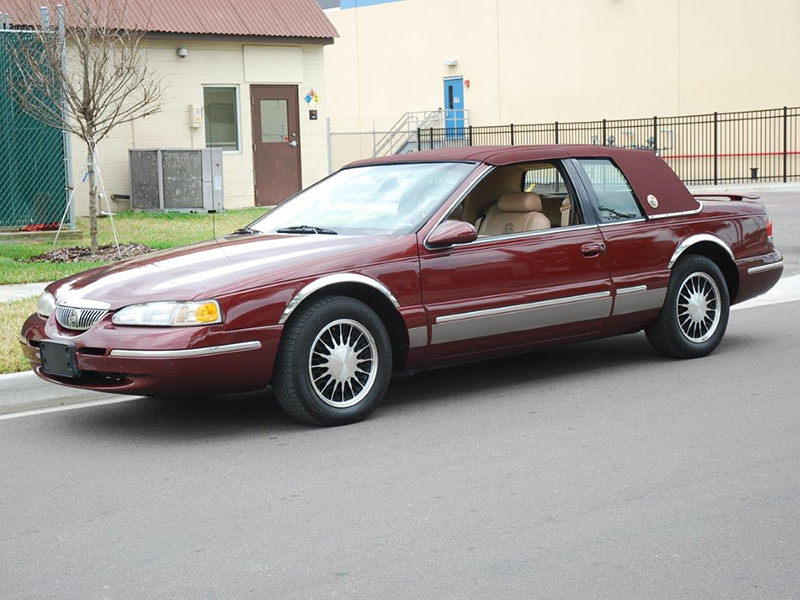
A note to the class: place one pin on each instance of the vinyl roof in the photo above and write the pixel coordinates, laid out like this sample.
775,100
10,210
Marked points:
252,18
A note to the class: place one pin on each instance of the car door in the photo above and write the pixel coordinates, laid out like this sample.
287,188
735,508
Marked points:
507,292
635,245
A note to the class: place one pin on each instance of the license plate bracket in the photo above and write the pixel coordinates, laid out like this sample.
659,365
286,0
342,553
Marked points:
58,358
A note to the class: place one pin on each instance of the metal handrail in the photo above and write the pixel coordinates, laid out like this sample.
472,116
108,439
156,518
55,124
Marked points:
404,131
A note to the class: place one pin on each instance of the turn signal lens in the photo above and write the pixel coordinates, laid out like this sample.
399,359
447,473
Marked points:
769,228
207,313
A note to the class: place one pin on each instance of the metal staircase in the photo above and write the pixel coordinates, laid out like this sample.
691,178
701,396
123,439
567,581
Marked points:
402,137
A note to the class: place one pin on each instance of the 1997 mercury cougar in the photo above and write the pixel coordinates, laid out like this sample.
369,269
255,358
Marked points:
409,262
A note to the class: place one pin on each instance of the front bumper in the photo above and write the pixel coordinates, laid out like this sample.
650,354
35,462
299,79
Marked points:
160,361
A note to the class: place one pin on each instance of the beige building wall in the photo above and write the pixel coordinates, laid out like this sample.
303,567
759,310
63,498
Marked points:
531,61
214,63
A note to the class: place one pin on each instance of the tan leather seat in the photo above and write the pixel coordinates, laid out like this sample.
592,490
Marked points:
480,224
516,212
566,209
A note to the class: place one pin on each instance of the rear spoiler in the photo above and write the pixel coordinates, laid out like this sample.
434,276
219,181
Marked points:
734,197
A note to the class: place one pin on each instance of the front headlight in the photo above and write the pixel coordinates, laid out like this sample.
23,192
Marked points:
169,314
46,305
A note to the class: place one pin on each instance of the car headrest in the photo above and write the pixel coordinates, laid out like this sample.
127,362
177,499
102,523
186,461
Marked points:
520,202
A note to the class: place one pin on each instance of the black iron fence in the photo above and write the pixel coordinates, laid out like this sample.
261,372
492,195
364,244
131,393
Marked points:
713,148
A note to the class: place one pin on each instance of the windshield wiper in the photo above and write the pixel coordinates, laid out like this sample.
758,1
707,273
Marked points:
247,230
306,229
617,213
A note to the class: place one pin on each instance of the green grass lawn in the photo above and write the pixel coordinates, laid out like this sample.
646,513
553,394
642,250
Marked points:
159,230
12,316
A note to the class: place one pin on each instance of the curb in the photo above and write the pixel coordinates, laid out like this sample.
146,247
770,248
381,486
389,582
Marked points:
747,188
11,376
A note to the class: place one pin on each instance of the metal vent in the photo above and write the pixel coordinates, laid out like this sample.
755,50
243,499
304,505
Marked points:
79,319
182,180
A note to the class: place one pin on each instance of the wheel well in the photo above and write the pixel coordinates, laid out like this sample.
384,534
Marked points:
723,260
395,326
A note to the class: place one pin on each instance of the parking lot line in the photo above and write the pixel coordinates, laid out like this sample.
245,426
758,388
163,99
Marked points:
60,408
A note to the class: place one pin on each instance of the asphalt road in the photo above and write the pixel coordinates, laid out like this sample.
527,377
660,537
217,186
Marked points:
590,471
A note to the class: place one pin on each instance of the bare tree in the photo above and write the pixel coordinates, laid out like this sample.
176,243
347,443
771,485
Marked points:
96,80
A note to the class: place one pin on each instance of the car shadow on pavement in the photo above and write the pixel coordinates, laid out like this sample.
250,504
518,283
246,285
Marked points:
205,417
567,364
185,419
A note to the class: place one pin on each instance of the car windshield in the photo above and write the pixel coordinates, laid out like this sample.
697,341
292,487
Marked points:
377,199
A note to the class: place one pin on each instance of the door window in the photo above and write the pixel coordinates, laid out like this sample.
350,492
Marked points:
496,208
274,121
614,198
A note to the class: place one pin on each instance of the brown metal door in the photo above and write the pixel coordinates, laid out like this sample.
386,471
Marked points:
276,142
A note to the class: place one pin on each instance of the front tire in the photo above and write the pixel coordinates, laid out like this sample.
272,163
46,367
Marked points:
694,317
334,362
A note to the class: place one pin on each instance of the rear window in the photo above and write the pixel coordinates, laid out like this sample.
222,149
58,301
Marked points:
545,179
615,198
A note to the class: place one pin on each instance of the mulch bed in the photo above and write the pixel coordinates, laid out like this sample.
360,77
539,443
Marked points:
104,253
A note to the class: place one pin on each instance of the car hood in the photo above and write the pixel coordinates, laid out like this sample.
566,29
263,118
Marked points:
222,266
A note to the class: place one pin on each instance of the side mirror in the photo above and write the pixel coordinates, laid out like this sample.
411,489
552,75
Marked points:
450,233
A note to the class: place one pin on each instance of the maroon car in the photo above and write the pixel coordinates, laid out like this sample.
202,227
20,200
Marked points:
409,262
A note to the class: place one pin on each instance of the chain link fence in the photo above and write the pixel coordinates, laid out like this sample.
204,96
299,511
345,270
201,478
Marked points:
351,141
33,169
346,147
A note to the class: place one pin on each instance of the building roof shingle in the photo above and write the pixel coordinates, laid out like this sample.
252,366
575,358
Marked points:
255,18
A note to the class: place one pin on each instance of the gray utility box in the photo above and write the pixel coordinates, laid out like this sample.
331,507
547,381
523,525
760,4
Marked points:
176,179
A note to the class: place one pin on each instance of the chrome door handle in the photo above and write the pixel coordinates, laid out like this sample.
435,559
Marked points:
590,250
293,143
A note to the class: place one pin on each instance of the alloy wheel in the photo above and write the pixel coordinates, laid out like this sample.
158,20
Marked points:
698,309
343,363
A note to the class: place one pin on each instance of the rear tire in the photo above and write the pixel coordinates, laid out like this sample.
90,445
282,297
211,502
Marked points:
334,362
694,317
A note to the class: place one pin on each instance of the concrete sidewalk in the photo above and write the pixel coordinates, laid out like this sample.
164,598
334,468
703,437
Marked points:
20,291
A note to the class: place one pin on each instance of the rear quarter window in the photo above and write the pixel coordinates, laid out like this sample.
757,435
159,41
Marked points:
615,200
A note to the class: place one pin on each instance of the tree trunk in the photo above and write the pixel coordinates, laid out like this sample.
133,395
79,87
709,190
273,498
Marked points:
92,198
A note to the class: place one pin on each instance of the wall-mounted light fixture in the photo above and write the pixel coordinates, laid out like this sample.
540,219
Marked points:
450,63
182,52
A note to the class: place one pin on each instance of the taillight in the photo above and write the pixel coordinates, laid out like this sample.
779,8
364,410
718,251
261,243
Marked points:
769,230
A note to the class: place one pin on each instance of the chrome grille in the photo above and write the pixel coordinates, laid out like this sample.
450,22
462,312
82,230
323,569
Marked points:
81,319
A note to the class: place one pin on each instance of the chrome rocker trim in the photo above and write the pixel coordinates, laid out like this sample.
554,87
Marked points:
521,317
767,267
324,282
417,337
520,307
637,299
210,350
696,239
